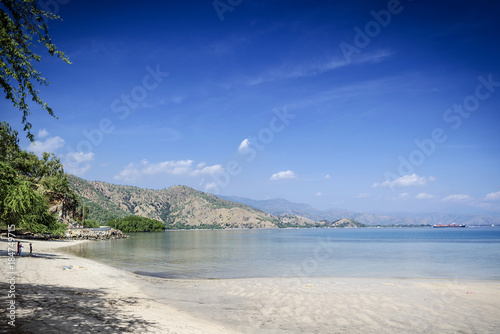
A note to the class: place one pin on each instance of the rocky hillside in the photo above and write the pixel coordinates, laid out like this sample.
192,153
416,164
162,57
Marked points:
347,223
179,205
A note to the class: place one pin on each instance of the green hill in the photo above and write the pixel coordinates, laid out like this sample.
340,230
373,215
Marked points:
178,206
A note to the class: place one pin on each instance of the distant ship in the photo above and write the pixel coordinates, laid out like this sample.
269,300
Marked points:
447,225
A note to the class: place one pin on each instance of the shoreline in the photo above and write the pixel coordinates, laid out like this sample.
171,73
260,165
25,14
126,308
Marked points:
60,292
56,292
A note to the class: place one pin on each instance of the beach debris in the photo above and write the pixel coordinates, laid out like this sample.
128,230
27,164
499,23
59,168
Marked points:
73,267
470,293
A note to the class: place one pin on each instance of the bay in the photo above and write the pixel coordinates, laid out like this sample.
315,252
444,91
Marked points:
454,253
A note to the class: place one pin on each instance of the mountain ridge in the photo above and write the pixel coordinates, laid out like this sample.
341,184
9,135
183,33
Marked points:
281,206
178,206
182,207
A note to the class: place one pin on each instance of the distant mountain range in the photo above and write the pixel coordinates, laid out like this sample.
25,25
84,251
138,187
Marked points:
181,206
283,207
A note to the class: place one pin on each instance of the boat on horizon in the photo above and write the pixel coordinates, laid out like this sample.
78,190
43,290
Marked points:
447,225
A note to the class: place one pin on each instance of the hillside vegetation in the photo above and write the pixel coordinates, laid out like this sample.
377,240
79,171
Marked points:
178,206
136,224
181,207
34,192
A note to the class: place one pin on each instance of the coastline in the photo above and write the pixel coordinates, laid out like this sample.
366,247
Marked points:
59,292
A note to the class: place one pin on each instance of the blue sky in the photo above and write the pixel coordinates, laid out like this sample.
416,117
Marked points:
358,105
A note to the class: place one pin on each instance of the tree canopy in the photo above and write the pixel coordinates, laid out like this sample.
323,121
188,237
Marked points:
22,27
28,184
136,224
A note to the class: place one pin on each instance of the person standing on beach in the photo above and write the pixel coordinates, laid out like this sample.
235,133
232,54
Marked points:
31,249
19,248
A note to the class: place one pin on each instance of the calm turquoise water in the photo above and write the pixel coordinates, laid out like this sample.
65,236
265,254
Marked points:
468,253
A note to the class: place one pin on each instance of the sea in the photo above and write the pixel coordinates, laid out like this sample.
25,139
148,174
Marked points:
447,253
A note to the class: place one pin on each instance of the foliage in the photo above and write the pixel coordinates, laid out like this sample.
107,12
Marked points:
20,23
9,143
136,224
184,226
91,223
347,223
165,212
23,207
94,211
28,184
100,207
281,224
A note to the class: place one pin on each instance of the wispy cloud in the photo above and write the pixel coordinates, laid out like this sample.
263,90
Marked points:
405,181
493,196
177,99
288,174
456,198
424,196
312,69
132,172
386,85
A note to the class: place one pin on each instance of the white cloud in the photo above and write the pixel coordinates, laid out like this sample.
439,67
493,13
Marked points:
493,196
456,198
78,162
43,133
245,145
283,175
405,181
50,145
129,174
363,195
211,186
319,194
132,172
327,176
424,196
80,157
209,170
168,167
403,195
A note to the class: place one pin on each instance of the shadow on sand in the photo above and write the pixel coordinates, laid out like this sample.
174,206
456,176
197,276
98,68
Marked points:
53,309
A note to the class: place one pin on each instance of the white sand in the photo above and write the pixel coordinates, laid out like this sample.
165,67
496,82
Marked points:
89,298
92,297
339,305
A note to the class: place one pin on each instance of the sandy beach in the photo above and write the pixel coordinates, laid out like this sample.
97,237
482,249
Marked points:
60,293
